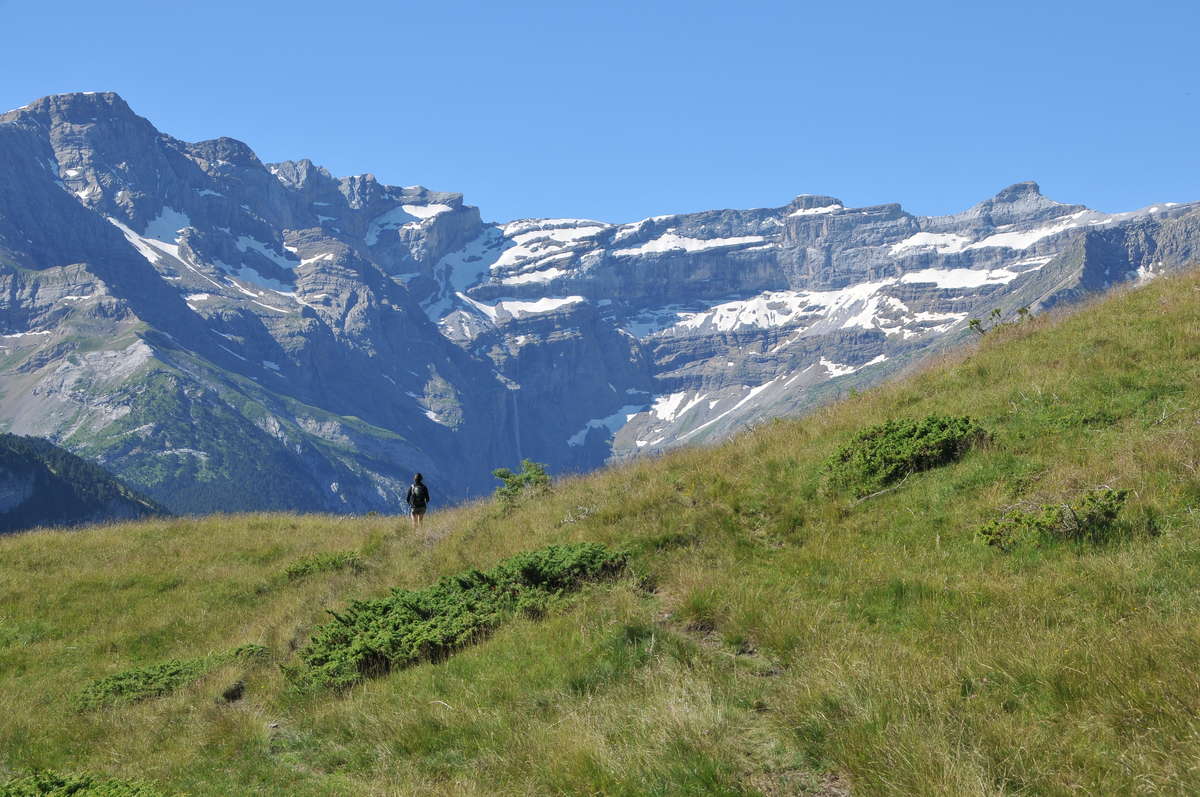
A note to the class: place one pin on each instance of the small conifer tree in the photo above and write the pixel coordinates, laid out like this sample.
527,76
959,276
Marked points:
531,479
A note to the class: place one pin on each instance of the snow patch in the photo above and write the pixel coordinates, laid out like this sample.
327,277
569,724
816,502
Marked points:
23,334
1027,238
836,369
526,226
426,211
670,241
816,211
328,256
394,219
543,275
670,407
544,305
943,242
167,226
612,423
402,216
543,244
269,307
960,277
247,244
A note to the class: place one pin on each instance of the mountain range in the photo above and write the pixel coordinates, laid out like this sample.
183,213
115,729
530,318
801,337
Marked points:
223,333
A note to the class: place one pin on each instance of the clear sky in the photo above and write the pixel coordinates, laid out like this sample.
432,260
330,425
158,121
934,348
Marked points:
621,110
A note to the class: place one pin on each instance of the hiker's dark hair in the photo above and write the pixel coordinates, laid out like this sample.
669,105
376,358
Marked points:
418,479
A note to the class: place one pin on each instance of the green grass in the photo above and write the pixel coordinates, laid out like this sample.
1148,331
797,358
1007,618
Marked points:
768,636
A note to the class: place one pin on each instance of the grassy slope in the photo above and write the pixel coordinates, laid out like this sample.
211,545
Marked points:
770,634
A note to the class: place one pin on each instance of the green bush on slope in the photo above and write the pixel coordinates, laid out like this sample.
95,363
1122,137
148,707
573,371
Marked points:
323,562
371,636
1089,520
157,679
54,784
888,452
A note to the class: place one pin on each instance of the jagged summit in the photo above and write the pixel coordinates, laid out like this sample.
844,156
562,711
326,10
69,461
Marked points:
1020,202
1018,191
325,336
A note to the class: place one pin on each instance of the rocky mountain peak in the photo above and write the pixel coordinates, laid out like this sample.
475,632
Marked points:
79,107
1017,192
300,173
1020,202
226,150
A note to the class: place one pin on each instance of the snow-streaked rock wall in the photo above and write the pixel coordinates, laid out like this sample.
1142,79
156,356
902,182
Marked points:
351,332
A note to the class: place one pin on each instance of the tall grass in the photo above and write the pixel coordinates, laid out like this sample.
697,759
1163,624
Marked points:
770,637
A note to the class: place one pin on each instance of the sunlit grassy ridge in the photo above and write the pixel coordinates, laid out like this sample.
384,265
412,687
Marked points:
772,634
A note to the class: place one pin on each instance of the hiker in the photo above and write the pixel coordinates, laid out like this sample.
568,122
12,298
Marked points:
417,499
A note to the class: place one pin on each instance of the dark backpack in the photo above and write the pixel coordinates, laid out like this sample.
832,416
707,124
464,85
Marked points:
418,495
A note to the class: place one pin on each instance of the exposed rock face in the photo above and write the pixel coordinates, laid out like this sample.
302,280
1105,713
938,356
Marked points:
224,333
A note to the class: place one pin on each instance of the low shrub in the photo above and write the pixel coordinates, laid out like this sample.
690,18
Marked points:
54,784
157,679
1091,519
371,636
324,562
888,452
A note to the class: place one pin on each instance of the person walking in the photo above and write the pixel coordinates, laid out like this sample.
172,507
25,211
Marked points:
417,499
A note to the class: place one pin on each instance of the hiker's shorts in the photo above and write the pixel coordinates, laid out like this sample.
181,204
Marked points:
417,511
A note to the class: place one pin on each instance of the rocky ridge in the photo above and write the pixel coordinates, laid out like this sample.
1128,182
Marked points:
224,333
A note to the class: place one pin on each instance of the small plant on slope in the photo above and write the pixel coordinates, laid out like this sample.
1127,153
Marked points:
323,562
54,784
157,679
888,452
371,636
1092,519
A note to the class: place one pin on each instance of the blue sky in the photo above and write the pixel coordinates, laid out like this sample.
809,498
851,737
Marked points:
622,110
